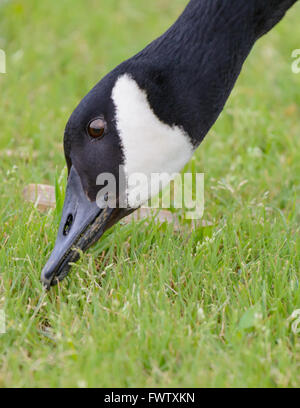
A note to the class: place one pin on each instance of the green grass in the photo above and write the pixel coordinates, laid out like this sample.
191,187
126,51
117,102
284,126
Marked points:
147,306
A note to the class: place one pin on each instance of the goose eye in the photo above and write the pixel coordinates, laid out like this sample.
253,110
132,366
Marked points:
96,128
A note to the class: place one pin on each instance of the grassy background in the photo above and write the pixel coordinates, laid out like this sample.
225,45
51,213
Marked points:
146,306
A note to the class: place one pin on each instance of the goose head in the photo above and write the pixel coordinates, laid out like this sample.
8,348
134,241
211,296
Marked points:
112,136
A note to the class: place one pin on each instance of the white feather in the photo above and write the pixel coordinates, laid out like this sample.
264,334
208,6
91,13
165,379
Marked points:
149,145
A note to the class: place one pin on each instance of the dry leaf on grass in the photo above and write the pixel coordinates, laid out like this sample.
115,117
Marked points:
41,195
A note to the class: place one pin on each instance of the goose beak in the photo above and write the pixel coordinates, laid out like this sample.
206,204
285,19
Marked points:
82,224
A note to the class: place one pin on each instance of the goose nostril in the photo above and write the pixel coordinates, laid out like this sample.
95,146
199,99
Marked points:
68,225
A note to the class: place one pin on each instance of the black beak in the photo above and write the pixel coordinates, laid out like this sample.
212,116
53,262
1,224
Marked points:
82,224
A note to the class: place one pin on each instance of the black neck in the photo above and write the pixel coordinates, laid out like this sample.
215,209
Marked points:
190,71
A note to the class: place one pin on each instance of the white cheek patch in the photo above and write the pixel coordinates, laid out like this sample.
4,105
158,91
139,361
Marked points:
149,145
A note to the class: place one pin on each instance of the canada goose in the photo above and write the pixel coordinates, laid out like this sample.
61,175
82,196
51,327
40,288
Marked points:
151,112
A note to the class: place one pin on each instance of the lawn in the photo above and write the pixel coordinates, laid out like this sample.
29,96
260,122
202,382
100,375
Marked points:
147,306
